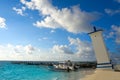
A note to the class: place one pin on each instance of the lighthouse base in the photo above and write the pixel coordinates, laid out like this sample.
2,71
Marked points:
105,65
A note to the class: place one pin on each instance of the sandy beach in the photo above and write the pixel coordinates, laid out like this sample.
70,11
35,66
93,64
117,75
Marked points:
103,74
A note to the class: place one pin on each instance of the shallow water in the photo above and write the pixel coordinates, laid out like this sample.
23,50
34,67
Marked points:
10,71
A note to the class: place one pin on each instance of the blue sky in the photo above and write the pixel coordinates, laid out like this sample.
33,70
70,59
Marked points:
56,29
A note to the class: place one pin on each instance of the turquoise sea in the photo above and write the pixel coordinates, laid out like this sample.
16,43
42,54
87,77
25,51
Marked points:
9,71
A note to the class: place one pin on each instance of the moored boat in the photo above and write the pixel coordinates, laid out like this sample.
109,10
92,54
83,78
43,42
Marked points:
64,66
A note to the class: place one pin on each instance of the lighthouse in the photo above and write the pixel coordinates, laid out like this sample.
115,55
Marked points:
102,56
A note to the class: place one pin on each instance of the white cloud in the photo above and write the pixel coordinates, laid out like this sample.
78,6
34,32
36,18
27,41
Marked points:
62,49
26,52
56,53
112,12
71,19
117,1
82,48
110,35
29,49
18,49
44,38
48,22
52,31
76,47
18,52
19,11
116,30
2,22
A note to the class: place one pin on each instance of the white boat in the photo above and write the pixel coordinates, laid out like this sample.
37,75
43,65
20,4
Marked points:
64,66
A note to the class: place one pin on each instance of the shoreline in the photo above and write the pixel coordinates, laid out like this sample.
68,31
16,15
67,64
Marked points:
103,74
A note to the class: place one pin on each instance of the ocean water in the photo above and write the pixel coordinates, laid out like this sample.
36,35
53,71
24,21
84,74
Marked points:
9,71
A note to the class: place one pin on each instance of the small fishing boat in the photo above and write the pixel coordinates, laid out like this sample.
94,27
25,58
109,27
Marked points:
63,66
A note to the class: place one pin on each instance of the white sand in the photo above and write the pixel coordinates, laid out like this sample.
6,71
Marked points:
103,74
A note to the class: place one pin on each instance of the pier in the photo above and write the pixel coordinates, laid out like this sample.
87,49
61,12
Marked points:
51,63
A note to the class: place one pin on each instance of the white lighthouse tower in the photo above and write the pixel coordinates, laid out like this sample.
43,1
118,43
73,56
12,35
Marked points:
102,56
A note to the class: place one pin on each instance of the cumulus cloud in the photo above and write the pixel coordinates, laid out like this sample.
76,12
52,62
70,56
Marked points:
116,30
110,35
48,22
56,53
20,52
62,49
29,49
2,22
18,49
77,48
19,11
114,33
112,12
82,48
72,19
